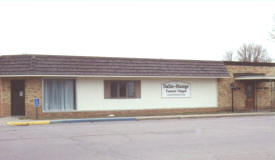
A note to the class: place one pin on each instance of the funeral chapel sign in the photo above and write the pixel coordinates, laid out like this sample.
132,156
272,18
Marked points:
176,89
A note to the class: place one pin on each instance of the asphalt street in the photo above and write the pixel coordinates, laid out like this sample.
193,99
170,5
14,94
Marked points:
238,138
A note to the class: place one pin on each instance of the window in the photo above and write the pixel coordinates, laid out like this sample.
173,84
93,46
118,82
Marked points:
58,95
122,89
249,90
114,86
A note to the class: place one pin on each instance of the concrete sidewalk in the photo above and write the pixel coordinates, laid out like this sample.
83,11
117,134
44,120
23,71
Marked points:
16,121
5,120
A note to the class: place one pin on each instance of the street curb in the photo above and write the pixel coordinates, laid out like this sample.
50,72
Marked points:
27,123
93,120
45,122
206,116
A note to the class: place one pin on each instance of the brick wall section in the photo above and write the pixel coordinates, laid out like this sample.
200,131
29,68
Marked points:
33,89
6,97
264,95
224,91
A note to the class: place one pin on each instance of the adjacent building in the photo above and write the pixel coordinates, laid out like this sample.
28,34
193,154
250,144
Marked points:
76,86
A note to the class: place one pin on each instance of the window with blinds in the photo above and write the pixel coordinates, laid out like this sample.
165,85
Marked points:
58,95
121,89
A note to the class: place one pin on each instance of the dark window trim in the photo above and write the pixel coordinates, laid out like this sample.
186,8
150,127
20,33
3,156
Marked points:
118,89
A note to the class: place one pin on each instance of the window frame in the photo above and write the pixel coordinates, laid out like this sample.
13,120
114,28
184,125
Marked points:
75,94
137,94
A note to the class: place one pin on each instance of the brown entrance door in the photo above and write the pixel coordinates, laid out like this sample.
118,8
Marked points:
250,95
18,97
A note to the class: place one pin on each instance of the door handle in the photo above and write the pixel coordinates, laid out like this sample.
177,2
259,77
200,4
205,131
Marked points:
21,93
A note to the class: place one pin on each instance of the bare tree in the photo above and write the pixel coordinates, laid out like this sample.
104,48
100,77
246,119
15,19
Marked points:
253,53
228,56
273,29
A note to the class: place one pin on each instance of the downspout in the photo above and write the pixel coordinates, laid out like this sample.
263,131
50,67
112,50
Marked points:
232,99
271,95
232,86
255,88
1,97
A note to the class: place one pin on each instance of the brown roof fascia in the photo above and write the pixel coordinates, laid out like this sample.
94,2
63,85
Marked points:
234,63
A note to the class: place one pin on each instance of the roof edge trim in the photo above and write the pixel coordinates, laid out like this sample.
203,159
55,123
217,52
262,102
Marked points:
236,63
101,76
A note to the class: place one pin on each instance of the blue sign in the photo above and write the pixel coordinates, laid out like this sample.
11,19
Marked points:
36,102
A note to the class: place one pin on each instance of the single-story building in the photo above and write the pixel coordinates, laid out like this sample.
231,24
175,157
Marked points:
50,86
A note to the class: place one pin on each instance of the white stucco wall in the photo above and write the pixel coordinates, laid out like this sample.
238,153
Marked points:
90,95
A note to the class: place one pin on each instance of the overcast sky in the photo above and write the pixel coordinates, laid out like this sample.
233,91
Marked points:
177,29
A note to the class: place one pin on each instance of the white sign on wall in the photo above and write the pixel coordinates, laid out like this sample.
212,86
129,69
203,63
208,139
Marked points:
175,89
